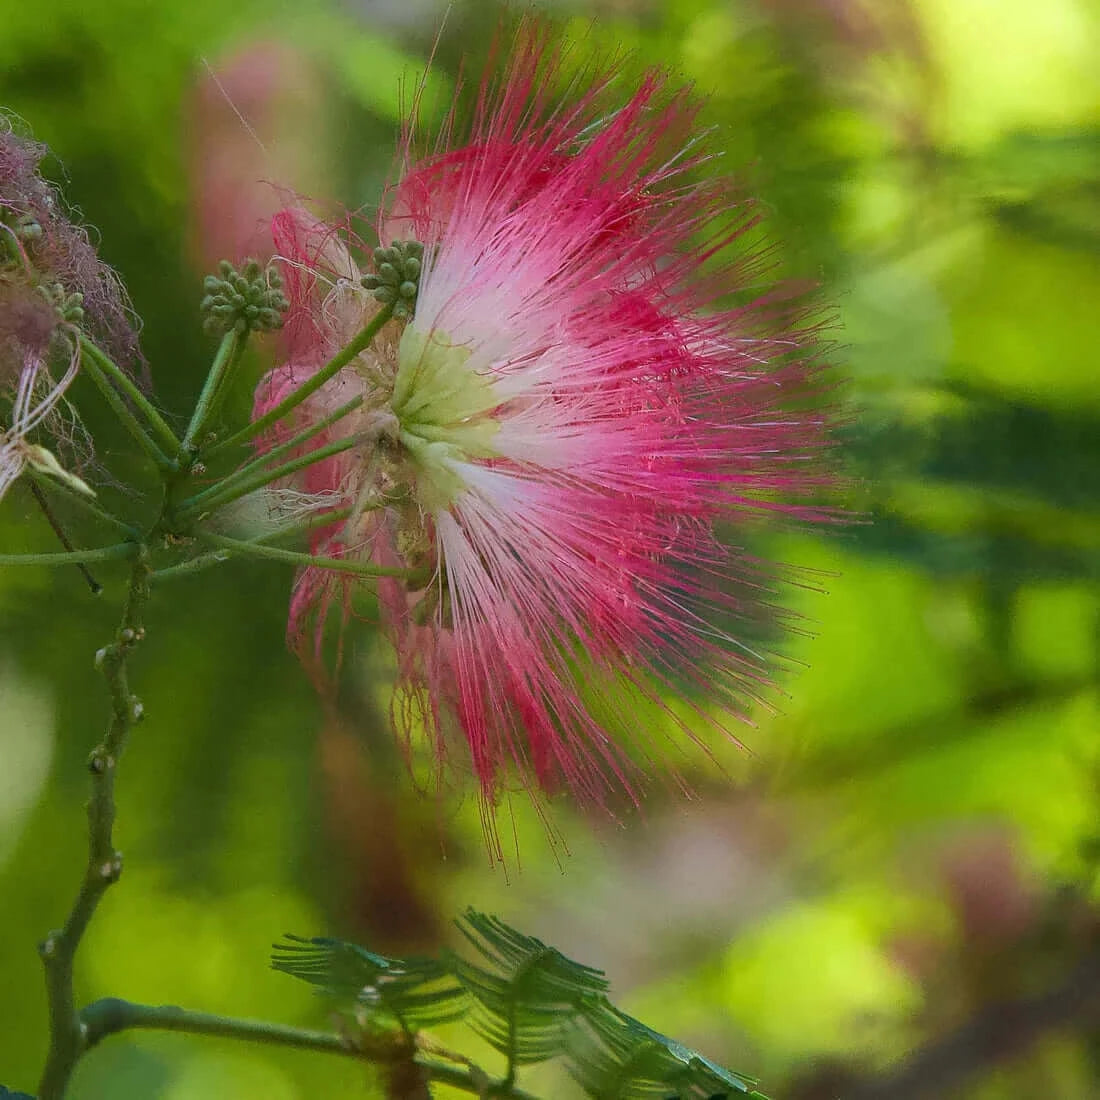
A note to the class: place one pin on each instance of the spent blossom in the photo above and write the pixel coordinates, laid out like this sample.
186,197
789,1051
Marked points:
578,399
53,286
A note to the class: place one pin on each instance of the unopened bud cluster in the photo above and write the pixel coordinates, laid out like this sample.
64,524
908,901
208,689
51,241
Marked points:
398,276
70,307
249,300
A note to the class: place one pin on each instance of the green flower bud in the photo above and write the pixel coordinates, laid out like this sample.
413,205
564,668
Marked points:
249,300
397,280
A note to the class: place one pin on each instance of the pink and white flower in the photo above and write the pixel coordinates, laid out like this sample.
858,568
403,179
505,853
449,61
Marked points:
590,399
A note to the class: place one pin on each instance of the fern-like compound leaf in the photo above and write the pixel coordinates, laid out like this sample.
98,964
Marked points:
527,995
612,1056
414,992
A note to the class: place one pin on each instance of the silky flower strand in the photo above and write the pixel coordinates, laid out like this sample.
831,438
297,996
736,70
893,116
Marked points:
575,407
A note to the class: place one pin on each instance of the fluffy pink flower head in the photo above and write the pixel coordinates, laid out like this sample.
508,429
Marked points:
554,435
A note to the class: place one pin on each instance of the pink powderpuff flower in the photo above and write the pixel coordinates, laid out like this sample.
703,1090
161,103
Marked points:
588,398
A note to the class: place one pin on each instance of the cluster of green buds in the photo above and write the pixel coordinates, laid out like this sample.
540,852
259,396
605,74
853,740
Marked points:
25,226
398,276
249,300
70,307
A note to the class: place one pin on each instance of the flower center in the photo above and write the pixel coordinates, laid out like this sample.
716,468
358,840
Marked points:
444,410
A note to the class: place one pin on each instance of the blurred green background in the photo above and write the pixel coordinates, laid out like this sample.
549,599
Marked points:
915,838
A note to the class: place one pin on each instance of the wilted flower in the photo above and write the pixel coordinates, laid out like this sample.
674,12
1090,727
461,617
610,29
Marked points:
577,391
38,235
52,286
37,396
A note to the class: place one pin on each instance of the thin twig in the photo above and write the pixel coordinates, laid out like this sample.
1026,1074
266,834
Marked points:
67,1038
103,553
62,537
53,485
112,1015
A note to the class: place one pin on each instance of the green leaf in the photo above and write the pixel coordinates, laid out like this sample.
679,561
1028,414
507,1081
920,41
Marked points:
525,1001
612,1056
414,992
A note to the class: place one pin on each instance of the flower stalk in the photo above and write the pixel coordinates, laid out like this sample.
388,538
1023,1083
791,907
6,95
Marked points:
333,367
91,367
214,389
293,557
253,475
167,438
233,488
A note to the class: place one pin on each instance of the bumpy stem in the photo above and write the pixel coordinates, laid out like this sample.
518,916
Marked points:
68,1037
111,1015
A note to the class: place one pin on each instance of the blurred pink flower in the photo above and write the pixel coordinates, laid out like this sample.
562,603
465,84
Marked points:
561,432
256,130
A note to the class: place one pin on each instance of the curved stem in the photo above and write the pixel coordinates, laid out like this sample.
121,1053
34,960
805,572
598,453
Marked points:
53,485
310,386
293,557
157,422
67,1035
111,1015
89,362
225,492
75,557
217,557
247,474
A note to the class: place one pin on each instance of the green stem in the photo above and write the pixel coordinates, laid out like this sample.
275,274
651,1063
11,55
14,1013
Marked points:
104,553
308,388
111,1015
284,449
293,557
217,557
51,484
67,1036
157,422
225,492
62,536
213,390
119,408
186,568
